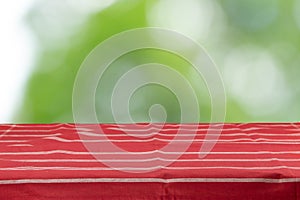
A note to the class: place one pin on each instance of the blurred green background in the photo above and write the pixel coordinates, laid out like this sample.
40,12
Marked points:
254,43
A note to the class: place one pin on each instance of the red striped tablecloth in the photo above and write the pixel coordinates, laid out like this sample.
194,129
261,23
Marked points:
54,161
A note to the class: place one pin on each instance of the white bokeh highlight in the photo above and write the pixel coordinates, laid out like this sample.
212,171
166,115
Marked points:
16,51
254,79
198,19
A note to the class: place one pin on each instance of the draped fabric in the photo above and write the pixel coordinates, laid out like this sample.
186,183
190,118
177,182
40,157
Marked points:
55,161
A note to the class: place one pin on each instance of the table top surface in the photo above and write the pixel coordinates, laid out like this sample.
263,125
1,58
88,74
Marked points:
253,152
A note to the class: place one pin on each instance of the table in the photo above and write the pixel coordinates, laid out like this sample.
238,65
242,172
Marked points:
68,161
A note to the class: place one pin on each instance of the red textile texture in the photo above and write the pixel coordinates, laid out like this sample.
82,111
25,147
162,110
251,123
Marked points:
54,161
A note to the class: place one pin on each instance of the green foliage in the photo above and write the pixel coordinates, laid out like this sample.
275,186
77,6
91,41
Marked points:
264,24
